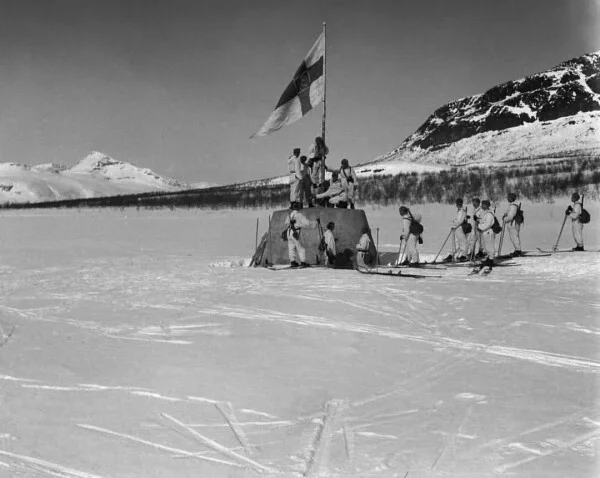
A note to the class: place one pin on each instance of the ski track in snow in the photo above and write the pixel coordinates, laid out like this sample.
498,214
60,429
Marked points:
168,300
536,356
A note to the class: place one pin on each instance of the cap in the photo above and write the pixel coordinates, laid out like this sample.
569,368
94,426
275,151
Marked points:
486,202
345,162
459,201
296,150
512,197
403,210
575,197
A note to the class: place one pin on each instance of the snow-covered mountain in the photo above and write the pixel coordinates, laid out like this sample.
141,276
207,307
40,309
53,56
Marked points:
555,113
94,176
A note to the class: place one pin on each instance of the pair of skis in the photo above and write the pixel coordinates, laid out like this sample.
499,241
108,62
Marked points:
558,251
393,272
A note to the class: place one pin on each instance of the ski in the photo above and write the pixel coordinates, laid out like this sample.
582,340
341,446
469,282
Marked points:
285,268
485,271
420,265
525,254
560,250
393,273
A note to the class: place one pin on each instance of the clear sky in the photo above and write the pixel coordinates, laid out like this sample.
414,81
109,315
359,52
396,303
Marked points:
179,86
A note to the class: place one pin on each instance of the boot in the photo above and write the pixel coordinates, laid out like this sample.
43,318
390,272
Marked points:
304,264
577,248
462,259
294,264
516,254
448,258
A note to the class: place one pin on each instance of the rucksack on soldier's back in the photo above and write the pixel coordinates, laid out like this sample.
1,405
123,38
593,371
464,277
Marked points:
584,217
496,227
519,216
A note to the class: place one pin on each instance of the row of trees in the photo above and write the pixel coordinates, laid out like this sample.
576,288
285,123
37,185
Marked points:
536,182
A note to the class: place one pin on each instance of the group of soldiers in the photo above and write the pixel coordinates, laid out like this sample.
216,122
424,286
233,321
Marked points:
473,235
308,184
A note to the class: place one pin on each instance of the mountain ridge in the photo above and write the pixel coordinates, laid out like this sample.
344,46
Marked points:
95,175
569,89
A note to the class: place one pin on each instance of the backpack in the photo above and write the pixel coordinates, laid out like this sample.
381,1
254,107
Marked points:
519,217
349,179
584,217
466,226
496,227
415,227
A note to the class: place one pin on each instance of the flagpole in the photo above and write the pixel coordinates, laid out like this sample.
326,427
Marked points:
324,81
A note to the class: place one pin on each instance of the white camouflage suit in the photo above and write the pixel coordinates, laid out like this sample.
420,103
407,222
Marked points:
512,226
412,253
488,238
295,170
475,236
576,225
361,249
460,239
296,248
330,243
317,154
348,177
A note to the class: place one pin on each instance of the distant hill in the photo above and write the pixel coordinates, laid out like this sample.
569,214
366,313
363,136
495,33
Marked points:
96,175
552,114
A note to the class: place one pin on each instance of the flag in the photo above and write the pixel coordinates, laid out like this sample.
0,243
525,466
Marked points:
305,91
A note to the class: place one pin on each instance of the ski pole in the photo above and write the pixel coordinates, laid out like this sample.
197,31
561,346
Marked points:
501,240
402,256
453,245
270,247
256,241
399,251
377,261
442,248
555,247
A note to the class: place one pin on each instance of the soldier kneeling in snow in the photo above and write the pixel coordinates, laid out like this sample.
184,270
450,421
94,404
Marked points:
295,222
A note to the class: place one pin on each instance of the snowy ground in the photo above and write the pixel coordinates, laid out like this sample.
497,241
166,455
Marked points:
137,345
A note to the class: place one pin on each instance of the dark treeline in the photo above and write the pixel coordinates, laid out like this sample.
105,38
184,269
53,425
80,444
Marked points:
538,182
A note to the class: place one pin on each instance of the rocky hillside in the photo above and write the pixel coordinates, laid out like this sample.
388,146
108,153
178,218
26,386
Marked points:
563,102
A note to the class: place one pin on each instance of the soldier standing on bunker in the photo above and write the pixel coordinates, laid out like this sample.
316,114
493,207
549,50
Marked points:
306,190
362,248
411,239
460,239
576,225
510,220
349,179
475,246
295,222
330,251
316,156
488,238
295,170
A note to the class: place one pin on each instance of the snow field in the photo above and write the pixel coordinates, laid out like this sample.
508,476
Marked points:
142,346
